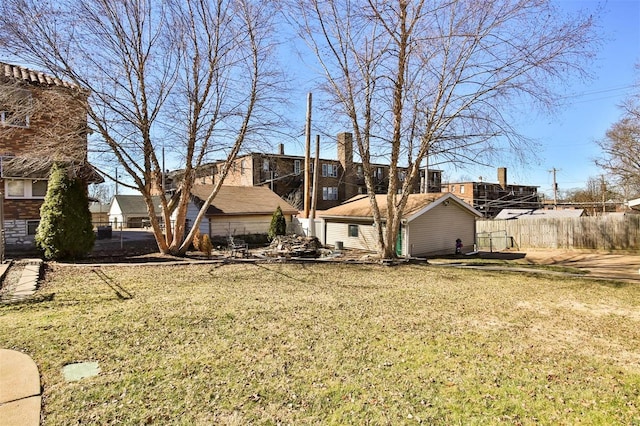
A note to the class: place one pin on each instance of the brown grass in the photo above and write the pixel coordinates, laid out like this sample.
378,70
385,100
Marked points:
331,344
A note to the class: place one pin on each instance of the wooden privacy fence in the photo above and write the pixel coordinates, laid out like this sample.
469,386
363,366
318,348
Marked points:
597,233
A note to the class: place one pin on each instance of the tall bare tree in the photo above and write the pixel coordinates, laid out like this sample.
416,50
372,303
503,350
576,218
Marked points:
194,77
438,78
621,145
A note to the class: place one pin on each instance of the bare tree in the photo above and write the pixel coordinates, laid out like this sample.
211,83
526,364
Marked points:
621,145
438,78
192,77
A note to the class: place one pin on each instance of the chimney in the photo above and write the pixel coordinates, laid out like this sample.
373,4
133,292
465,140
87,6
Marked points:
281,149
345,150
348,186
502,177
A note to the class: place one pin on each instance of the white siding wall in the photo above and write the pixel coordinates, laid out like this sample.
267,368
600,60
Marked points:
116,218
366,239
435,232
241,225
234,225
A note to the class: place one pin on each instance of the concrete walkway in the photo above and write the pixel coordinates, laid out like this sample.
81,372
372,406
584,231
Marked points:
20,397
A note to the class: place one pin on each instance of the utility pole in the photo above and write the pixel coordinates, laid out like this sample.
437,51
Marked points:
314,189
555,188
307,158
603,189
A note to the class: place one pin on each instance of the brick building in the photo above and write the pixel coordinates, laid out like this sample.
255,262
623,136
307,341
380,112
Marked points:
489,198
42,119
338,179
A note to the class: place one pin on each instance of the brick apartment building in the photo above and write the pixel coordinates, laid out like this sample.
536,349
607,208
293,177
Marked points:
338,179
42,119
489,198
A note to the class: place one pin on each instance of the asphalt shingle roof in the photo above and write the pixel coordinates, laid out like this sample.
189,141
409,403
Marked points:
242,200
360,206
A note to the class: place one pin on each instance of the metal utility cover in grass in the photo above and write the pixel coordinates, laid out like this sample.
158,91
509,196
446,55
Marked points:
80,370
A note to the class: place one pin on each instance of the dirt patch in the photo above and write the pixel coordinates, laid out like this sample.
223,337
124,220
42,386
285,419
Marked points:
598,264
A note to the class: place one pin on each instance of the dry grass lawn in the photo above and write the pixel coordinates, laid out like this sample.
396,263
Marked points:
330,344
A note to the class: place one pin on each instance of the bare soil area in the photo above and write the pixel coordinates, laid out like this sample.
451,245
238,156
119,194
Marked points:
607,265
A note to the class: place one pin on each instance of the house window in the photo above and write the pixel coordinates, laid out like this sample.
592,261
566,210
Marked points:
296,167
402,175
265,165
25,188
329,193
462,189
453,188
15,107
39,188
359,172
329,170
32,226
15,188
379,173
353,230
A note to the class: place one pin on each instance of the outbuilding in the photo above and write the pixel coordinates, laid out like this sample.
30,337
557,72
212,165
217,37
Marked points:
430,225
237,210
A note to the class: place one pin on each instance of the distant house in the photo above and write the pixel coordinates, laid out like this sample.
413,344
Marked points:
237,210
431,224
489,198
99,213
512,214
42,119
130,211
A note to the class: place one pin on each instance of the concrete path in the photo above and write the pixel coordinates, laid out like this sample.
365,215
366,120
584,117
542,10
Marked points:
20,397
28,282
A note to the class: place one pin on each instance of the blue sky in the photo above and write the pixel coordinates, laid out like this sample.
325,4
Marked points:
568,138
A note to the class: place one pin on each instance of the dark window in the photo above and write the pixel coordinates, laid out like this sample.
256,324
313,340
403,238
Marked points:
353,230
32,226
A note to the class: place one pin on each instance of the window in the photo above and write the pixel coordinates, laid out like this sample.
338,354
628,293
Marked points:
25,188
329,170
329,193
32,226
265,165
379,173
39,188
353,230
15,188
15,107
453,188
402,175
462,189
296,167
359,171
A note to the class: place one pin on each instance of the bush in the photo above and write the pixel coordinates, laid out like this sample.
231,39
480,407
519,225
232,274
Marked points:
65,230
206,246
278,224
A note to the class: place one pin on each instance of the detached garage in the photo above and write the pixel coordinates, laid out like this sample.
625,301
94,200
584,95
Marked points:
430,225
237,210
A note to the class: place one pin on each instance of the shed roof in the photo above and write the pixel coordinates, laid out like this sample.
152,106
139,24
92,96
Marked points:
507,214
241,200
360,206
